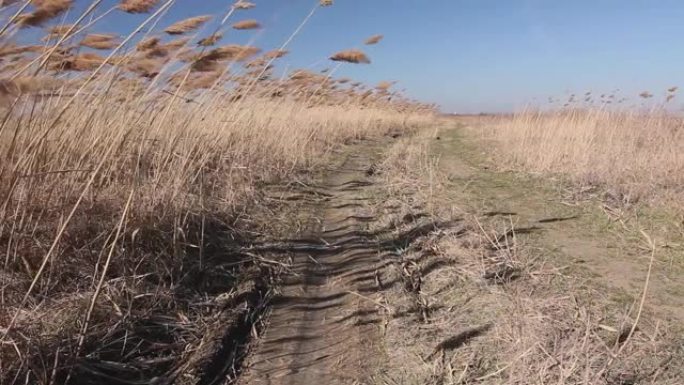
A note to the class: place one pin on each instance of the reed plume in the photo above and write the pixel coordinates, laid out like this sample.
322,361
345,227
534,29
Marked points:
351,56
375,39
13,49
210,40
243,5
45,10
247,24
177,44
148,43
99,41
187,25
384,85
209,61
86,61
277,53
146,67
137,6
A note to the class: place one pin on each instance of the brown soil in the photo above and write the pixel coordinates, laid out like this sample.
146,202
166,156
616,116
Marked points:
322,326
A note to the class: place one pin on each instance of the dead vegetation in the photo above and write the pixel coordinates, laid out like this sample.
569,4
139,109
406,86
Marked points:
493,307
130,187
631,155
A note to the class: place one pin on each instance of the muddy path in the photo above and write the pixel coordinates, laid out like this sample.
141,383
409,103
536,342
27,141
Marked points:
325,324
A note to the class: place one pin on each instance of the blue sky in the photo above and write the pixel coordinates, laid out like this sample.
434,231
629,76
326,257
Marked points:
475,55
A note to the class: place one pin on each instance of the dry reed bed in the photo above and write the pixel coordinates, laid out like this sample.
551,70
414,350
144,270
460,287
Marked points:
179,178
634,155
129,179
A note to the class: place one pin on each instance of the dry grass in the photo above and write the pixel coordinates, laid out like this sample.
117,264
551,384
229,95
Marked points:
187,25
210,40
375,39
137,6
130,179
247,24
636,156
478,302
45,10
351,56
99,41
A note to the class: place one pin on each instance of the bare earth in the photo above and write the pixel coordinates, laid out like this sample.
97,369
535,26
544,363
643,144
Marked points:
321,329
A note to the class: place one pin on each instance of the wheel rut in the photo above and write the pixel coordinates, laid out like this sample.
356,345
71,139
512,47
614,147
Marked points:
325,324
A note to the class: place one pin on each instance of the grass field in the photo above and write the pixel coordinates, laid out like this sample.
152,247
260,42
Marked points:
633,155
179,205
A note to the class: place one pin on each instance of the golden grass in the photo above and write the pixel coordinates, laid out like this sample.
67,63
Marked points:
187,25
174,159
634,155
99,41
137,6
210,40
375,39
122,173
247,24
351,56
45,10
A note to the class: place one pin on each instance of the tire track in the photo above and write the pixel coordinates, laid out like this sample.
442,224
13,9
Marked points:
323,327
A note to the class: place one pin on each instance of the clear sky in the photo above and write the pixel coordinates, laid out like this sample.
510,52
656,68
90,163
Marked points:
475,55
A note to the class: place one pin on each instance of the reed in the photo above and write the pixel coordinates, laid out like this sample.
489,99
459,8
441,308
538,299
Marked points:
122,171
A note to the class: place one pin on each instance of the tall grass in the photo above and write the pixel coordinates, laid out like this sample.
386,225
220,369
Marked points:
127,176
636,155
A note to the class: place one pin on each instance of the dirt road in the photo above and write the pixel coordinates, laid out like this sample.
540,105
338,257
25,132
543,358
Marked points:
323,328
477,289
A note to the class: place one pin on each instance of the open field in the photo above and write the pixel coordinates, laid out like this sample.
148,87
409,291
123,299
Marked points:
181,206
633,156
